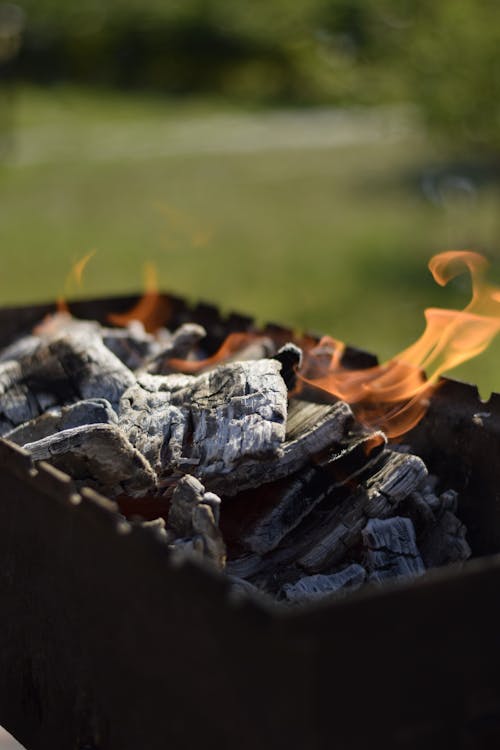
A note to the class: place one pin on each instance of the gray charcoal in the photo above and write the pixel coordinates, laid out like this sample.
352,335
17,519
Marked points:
182,342
193,524
391,549
91,411
446,542
313,588
61,371
133,345
23,347
215,424
99,456
188,493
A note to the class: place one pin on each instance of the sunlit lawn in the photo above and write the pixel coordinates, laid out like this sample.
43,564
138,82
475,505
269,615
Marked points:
330,237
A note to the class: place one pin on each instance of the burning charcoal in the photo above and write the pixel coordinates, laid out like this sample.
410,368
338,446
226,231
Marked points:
312,588
99,456
188,493
446,542
391,549
181,344
151,424
399,476
377,496
91,411
193,521
214,423
91,369
290,357
132,345
289,503
23,347
311,428
59,372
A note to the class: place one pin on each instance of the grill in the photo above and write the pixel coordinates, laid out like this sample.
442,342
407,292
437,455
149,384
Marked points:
105,642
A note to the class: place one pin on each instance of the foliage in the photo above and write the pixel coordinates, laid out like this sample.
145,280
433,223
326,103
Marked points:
442,56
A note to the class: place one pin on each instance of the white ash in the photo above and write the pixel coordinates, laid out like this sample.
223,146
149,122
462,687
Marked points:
100,403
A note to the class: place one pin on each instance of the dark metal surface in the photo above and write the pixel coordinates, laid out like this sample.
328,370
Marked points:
104,644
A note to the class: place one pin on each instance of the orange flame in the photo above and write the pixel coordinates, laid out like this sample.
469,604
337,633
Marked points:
233,344
75,276
395,396
152,310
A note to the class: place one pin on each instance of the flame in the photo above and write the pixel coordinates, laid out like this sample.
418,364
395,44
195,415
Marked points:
231,345
74,278
152,310
394,396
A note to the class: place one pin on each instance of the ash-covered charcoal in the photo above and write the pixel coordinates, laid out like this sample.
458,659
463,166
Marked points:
60,371
313,503
312,588
57,419
212,424
98,456
179,345
133,345
193,523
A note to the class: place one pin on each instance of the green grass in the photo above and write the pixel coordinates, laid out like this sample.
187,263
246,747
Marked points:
334,237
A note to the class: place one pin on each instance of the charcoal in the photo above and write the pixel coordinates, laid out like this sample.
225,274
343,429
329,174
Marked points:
188,493
99,456
90,411
291,503
446,542
60,371
20,348
213,424
391,549
182,342
378,497
193,522
310,429
132,345
290,357
313,588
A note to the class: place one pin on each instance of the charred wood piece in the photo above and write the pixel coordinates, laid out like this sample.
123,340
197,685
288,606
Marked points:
133,345
91,411
310,429
290,357
60,371
313,588
446,542
181,344
213,424
288,505
98,456
391,549
193,522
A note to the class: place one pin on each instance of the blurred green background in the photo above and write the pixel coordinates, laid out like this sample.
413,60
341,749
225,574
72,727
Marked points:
299,160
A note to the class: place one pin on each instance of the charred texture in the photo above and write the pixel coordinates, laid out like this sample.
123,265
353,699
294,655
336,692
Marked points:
91,411
212,425
310,429
179,345
283,505
98,456
61,370
312,588
391,549
193,523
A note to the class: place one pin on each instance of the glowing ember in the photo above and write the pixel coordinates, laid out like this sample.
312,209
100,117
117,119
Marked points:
395,395
152,310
